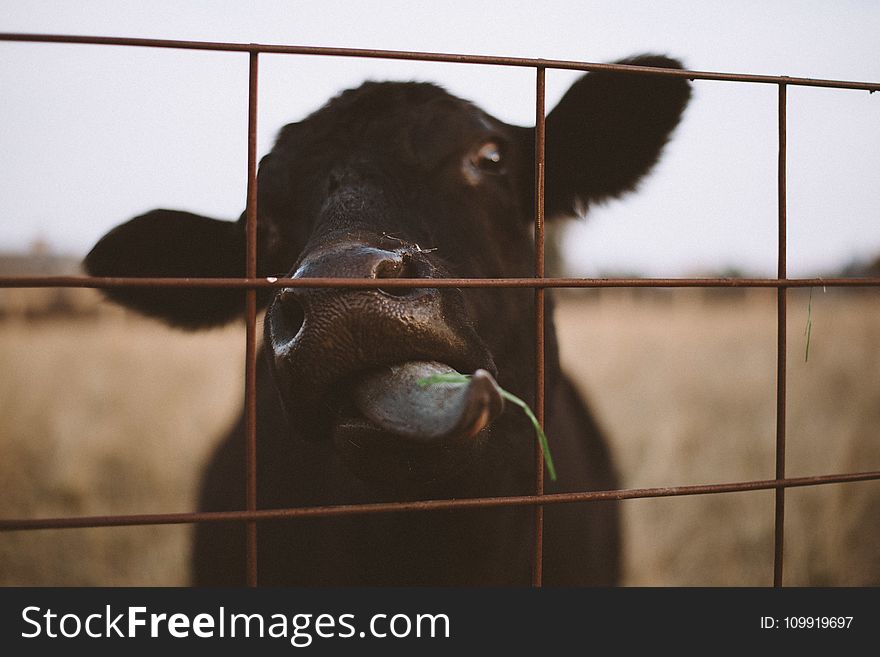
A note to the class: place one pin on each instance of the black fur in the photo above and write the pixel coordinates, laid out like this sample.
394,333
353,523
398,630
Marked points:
428,179
174,244
608,131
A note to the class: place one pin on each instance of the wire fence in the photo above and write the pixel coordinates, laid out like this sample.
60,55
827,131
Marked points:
251,283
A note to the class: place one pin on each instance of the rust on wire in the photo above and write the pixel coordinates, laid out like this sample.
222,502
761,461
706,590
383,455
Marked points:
27,524
781,343
367,283
251,321
538,562
436,57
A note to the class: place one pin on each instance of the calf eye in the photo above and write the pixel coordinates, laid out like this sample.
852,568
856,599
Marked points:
489,158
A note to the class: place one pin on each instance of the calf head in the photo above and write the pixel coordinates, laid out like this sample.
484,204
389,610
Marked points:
400,180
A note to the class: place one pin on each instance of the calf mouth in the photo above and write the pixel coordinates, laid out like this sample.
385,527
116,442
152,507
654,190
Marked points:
413,423
425,401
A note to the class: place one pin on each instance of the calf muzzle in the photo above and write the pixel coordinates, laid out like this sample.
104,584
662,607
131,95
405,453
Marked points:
353,362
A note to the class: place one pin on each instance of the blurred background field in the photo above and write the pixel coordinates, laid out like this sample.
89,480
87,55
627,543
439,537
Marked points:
103,412
684,383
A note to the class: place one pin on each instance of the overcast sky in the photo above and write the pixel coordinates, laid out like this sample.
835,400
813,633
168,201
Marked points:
91,136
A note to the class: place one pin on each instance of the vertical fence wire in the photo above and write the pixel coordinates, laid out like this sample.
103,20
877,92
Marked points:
251,320
781,345
537,571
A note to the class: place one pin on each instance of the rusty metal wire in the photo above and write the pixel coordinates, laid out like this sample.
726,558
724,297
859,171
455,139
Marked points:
367,283
540,125
431,505
250,405
250,283
781,337
436,57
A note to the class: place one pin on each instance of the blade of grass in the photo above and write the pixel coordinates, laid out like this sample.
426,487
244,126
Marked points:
443,378
808,329
513,399
542,437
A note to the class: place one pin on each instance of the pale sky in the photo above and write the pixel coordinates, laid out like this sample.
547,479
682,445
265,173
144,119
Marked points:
94,135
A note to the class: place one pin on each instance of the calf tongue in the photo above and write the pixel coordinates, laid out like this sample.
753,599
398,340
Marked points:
393,399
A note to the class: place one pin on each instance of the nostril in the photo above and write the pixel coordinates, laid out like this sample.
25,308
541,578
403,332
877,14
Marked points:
286,318
403,268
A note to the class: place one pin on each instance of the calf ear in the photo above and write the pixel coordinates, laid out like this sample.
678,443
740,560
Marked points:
174,244
608,131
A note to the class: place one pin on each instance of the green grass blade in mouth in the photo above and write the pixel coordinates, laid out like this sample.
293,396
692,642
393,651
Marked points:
513,399
443,378
542,437
808,329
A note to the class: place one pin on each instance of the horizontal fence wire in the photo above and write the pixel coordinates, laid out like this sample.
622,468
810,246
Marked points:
7,525
439,58
250,283
370,283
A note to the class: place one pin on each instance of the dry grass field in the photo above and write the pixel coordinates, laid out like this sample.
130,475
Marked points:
684,383
116,414
110,416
